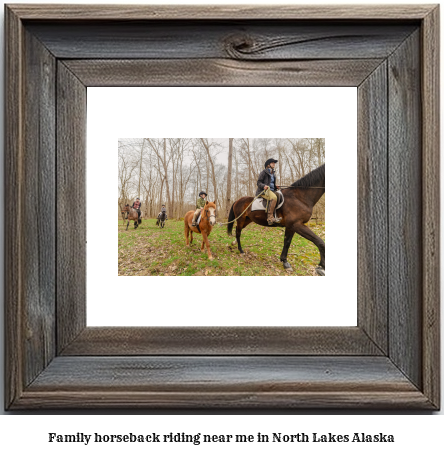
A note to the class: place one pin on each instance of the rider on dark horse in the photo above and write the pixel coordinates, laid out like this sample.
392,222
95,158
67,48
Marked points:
163,211
137,205
199,206
267,182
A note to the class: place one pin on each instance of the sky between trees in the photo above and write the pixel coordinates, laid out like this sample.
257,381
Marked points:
172,171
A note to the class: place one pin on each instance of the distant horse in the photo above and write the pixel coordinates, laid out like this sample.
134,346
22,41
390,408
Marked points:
124,214
300,199
161,218
132,215
205,226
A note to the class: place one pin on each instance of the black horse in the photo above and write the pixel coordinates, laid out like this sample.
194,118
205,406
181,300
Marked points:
161,219
300,199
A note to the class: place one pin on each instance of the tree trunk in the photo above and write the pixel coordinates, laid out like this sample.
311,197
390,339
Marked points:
140,169
166,173
213,175
230,165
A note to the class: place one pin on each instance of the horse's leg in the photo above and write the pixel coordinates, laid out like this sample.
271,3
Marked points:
305,232
289,233
241,224
191,237
207,243
127,225
187,230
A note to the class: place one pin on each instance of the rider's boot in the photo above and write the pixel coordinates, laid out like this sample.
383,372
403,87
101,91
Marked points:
271,207
276,218
195,216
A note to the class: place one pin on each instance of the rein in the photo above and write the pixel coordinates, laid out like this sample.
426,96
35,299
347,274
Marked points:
255,198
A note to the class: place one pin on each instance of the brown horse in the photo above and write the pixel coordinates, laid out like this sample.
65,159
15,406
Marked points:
205,226
124,214
132,215
300,199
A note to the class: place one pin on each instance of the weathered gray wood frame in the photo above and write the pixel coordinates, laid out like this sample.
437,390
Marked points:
390,360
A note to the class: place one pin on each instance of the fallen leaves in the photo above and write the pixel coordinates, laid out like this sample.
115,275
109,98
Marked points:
151,251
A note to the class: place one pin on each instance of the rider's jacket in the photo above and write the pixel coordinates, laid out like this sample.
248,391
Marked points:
265,179
200,203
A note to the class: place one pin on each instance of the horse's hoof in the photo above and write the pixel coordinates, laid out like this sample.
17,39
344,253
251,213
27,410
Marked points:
234,242
287,266
320,271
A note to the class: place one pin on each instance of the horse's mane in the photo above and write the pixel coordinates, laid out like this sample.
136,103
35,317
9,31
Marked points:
312,178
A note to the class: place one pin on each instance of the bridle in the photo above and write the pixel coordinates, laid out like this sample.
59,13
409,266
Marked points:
209,216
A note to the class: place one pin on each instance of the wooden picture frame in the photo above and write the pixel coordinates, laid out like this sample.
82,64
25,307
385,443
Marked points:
390,360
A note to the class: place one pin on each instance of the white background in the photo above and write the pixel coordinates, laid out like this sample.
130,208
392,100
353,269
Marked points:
417,433
251,112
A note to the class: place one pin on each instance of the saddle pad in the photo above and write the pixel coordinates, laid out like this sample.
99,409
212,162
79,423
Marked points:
259,206
198,218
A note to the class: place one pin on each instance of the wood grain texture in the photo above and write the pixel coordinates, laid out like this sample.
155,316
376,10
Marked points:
221,72
405,209
95,377
258,40
431,205
208,381
71,206
372,207
220,12
225,400
126,341
13,204
39,152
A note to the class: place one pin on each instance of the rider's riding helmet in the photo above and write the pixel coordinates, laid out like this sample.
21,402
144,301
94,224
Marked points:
270,160
202,193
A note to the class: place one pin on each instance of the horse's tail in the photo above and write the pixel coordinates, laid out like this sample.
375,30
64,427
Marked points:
231,218
139,221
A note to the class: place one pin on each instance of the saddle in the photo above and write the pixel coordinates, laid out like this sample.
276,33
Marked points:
261,203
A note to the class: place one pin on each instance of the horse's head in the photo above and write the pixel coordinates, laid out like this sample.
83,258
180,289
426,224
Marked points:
210,212
126,208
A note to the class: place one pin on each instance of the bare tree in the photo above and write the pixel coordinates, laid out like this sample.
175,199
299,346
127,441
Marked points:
163,160
207,147
174,170
230,166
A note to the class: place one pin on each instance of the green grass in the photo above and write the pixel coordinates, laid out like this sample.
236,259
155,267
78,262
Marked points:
153,251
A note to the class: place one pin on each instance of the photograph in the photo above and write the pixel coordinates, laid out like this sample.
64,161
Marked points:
221,206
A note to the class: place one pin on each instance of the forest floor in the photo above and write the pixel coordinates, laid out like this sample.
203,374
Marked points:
153,251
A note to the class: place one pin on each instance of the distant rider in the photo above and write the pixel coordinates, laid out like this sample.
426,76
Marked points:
199,206
267,182
163,211
137,205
